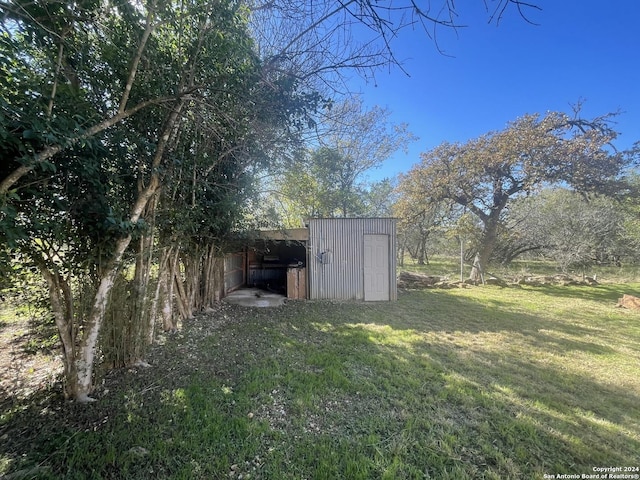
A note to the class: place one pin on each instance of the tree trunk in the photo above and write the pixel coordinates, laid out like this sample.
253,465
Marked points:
126,338
213,278
422,251
401,253
189,283
477,270
167,276
142,317
161,291
191,290
487,244
87,348
63,313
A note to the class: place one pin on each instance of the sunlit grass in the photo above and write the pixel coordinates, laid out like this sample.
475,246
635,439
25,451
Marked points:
449,267
484,382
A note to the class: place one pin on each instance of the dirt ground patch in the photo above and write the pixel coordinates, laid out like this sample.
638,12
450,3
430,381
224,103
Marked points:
27,367
23,368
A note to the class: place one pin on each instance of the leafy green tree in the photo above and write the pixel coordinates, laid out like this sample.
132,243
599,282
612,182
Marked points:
316,187
83,166
379,198
630,205
330,180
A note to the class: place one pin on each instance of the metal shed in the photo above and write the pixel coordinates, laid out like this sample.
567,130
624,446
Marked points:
332,258
352,259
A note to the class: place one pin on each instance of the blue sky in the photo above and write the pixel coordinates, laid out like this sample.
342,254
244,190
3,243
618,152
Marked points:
490,75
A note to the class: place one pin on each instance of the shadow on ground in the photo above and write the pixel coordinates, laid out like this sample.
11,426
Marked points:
433,383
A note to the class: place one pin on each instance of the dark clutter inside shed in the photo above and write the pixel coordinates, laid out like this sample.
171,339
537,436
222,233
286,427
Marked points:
278,267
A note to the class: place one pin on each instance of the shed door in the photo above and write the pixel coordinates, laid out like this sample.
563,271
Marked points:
376,267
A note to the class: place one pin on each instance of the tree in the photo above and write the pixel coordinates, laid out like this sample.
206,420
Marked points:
483,175
379,198
97,101
322,40
630,205
316,188
363,138
83,167
574,230
419,217
329,181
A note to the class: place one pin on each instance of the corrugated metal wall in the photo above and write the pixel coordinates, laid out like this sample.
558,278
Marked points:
233,271
336,256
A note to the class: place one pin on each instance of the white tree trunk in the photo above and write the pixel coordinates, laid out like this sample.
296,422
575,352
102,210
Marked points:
167,278
87,350
477,274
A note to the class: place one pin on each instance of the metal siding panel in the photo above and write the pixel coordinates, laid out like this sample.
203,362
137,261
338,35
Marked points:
337,279
233,271
343,277
312,264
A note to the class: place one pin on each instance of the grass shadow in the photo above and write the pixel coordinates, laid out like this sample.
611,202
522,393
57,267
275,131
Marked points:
500,401
497,400
448,385
143,426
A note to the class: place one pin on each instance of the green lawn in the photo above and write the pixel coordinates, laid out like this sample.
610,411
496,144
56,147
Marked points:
484,382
